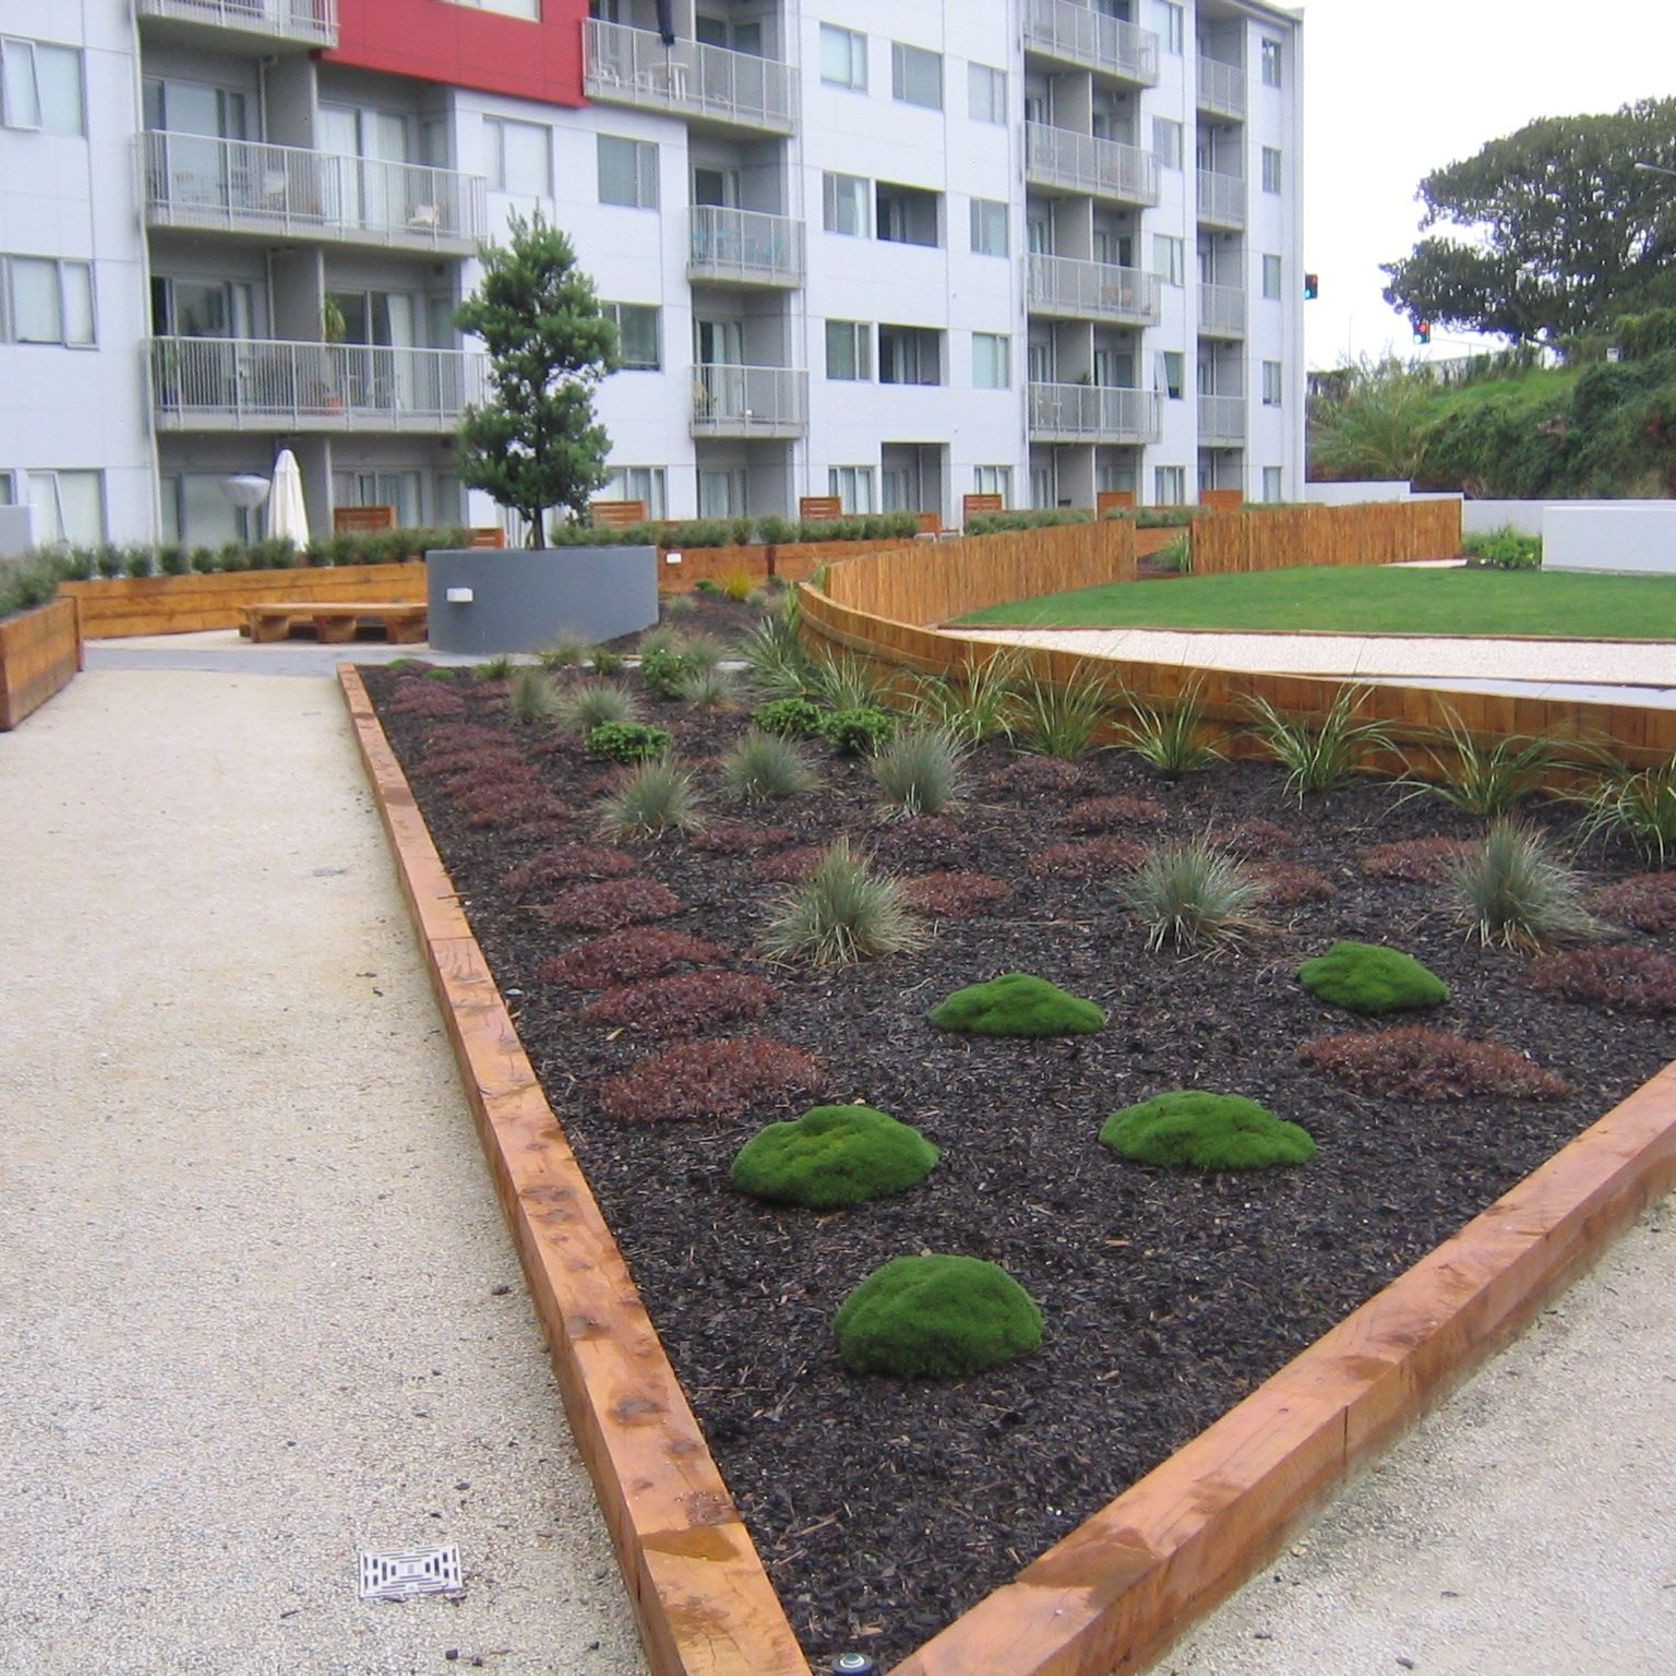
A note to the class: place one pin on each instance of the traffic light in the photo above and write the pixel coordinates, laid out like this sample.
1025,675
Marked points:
1312,287
1422,331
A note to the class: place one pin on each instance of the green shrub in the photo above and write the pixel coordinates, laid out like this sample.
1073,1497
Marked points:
569,651
1485,780
1038,518
172,559
136,562
936,1317
775,664
708,689
858,732
530,696
203,560
584,707
1191,1129
495,669
1637,805
919,771
775,531
1319,757
1061,720
441,673
1503,549
1370,978
764,766
677,606
626,741
605,661
1017,1004
27,583
665,668
792,718
107,560
654,798
833,1156
1513,891
1166,738
737,585
844,683
1193,893
842,912
977,704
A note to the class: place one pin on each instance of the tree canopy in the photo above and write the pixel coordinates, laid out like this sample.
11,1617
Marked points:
534,445
1549,231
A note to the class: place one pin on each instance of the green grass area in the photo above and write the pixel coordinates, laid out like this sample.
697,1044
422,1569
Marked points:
1376,600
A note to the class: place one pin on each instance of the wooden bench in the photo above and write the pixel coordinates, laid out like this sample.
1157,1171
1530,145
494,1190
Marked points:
819,509
980,506
617,514
355,520
334,625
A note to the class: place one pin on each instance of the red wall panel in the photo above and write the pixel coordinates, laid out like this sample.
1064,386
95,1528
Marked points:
435,40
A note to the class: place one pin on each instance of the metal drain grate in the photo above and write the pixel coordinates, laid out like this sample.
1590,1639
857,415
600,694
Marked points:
402,1573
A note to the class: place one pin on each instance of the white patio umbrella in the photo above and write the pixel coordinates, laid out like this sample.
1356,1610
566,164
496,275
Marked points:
287,513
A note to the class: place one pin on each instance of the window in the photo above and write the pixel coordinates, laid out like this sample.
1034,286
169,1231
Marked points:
1170,26
639,338
641,483
1271,277
992,361
1272,491
628,172
1271,62
722,494
1271,169
40,87
993,480
1166,141
843,58
849,349
989,227
847,205
1169,485
916,76
910,355
44,301
908,215
986,94
520,157
69,506
853,485
1169,258
511,8
1172,371
1271,383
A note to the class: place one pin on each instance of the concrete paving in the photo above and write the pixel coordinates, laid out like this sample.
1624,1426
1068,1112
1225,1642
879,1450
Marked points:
258,1305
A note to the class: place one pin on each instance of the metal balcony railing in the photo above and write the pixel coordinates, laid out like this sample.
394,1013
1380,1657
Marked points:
1080,162
309,23
1079,290
1222,310
745,247
1221,198
256,383
274,191
1080,35
625,66
749,401
1221,87
1089,413
1222,420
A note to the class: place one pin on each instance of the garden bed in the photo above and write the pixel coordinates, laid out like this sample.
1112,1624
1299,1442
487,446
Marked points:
880,1510
40,652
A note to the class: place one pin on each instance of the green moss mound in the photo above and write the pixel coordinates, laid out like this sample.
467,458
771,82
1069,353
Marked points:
1366,978
1017,1004
833,1156
1199,1131
936,1318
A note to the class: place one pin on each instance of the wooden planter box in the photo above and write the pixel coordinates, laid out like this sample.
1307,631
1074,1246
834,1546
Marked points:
791,561
40,651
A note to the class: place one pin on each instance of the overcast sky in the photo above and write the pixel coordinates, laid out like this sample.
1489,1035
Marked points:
1393,92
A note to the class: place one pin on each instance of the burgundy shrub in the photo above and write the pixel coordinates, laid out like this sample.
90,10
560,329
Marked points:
426,700
464,760
718,1079
609,906
1646,901
1256,837
1626,979
1086,860
1418,1063
726,837
1416,859
621,957
949,895
566,862
685,1004
1033,776
1288,884
790,867
1102,814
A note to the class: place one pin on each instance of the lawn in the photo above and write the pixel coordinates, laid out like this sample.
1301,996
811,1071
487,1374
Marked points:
1382,600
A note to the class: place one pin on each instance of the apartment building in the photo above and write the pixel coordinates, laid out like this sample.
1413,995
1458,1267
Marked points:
896,251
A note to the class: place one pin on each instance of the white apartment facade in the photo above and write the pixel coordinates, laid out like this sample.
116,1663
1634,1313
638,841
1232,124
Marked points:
896,252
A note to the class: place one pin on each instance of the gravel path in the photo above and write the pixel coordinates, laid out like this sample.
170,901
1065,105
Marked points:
258,1305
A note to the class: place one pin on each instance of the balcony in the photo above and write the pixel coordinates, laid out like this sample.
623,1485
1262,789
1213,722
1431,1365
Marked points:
247,25
624,66
744,247
1064,159
1078,290
1221,89
737,401
216,384
1088,413
1221,421
1079,35
285,192
1221,311
1221,199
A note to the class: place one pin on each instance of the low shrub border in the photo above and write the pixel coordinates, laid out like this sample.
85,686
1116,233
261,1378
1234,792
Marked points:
1130,1579
40,653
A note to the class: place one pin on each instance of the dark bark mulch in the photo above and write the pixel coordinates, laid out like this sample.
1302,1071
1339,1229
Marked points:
883,1510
